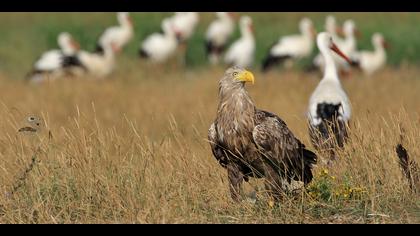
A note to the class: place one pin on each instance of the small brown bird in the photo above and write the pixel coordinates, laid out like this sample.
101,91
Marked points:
249,142
35,125
409,167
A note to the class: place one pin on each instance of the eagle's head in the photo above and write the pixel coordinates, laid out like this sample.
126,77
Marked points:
237,76
233,83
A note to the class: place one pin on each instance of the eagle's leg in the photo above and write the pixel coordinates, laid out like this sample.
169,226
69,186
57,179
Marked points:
273,183
236,178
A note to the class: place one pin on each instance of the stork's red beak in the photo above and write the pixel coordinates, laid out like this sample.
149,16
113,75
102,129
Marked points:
251,28
357,33
385,44
339,31
178,35
75,44
130,20
340,53
233,15
313,31
115,48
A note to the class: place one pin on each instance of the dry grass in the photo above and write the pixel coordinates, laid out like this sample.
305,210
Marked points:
133,150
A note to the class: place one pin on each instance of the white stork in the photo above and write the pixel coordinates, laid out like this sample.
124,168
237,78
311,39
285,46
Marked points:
292,46
184,24
159,47
329,106
120,35
371,61
218,34
52,62
241,52
98,64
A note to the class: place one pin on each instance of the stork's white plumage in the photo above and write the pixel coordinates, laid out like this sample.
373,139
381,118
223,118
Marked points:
218,34
49,61
241,52
292,46
52,60
329,102
371,61
119,35
67,44
184,24
99,64
160,47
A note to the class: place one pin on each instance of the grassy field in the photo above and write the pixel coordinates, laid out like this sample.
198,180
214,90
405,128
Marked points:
131,151
133,148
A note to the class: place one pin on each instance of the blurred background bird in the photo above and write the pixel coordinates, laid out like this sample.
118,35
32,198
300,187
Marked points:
119,35
218,34
242,51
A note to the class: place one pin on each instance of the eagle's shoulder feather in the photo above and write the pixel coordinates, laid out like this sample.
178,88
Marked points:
271,132
277,143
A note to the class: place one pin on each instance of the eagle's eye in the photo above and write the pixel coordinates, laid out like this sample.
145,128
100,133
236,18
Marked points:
31,118
235,74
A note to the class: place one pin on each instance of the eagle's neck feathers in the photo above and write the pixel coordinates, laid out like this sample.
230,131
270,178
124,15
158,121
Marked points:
235,113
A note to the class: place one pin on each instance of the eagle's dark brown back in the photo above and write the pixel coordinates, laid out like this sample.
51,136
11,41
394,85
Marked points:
278,143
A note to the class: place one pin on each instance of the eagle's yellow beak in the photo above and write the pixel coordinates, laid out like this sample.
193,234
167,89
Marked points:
246,76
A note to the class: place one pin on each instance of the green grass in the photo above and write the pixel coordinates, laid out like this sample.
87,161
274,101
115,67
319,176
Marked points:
24,36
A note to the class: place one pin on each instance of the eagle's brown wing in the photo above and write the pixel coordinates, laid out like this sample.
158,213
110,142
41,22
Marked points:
278,144
216,149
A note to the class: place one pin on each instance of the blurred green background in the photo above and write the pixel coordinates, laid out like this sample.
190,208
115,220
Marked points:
24,36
